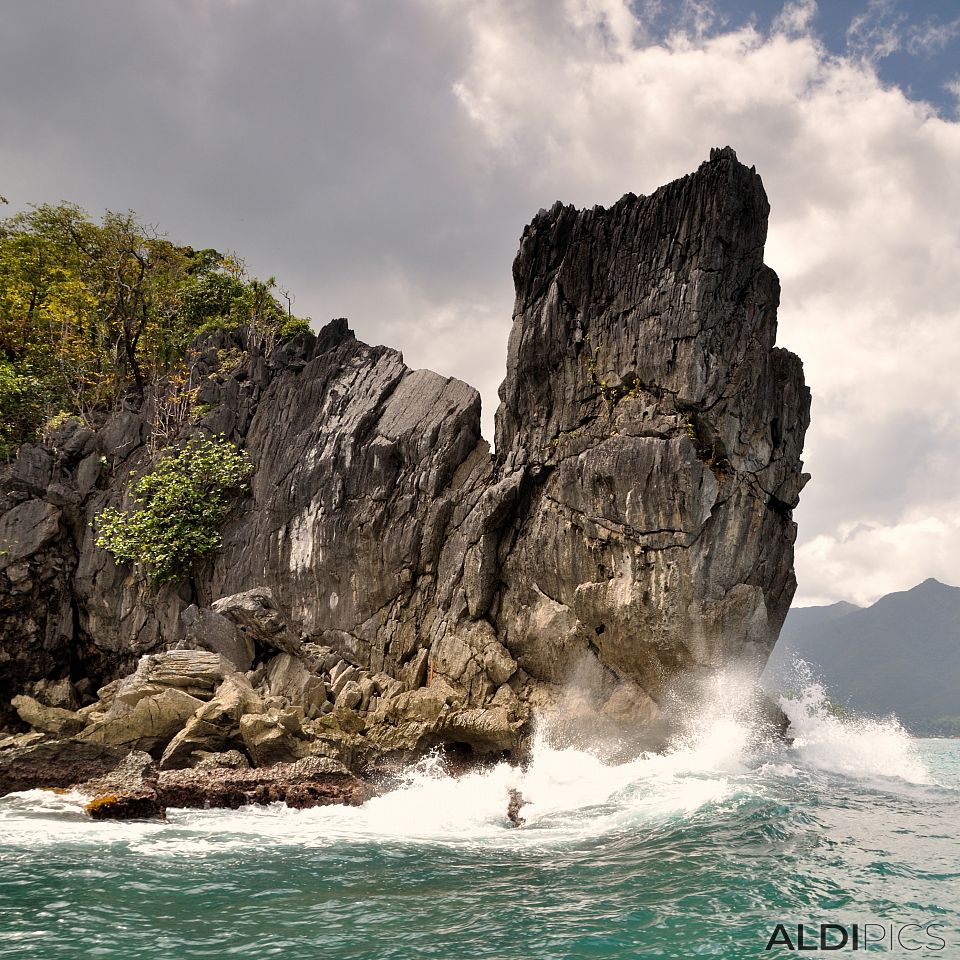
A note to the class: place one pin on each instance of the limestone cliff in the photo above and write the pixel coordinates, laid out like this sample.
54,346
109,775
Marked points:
636,515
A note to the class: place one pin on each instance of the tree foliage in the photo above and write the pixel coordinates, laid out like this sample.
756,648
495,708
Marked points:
91,313
178,509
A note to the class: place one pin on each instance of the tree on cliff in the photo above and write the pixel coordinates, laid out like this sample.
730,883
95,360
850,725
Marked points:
92,312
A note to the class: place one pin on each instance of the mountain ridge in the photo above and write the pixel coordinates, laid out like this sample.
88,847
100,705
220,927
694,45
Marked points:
900,654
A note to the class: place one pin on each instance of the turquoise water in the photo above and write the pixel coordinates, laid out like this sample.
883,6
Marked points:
700,852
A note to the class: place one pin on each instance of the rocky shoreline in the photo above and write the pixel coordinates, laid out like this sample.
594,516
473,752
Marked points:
188,729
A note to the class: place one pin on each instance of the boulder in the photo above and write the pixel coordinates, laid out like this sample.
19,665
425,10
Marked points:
56,693
52,720
215,727
274,737
148,725
258,617
136,805
137,771
349,697
486,731
340,677
194,672
290,678
471,658
212,631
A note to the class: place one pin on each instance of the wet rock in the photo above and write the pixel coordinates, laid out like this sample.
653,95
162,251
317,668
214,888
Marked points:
136,772
55,763
142,805
311,782
485,731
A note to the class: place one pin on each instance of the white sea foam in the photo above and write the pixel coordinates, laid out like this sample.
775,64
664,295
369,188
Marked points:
569,793
860,747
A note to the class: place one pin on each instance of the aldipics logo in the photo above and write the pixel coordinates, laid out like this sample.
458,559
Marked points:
857,936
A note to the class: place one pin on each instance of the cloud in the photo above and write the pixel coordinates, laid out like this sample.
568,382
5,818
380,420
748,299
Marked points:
953,88
932,36
886,558
882,29
382,158
795,18
862,234
877,32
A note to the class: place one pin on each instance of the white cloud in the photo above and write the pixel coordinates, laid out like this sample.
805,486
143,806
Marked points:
796,17
953,88
932,36
877,32
863,234
886,557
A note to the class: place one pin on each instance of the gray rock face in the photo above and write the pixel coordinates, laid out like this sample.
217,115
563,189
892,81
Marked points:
636,515
662,429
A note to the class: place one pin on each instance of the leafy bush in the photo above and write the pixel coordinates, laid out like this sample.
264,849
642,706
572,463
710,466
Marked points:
21,406
293,326
179,508
93,314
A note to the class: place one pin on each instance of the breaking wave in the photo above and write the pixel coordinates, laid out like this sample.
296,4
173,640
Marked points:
568,793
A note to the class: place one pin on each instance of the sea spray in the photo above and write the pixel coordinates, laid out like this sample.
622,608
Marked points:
862,747
699,850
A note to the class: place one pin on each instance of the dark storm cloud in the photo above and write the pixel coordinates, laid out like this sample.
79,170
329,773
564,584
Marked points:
381,157
322,150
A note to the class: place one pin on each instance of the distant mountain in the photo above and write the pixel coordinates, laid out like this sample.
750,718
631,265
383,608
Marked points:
901,655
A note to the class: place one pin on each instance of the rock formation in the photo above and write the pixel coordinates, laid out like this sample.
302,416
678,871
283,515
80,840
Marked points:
390,584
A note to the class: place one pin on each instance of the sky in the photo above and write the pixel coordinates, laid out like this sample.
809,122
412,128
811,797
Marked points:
381,157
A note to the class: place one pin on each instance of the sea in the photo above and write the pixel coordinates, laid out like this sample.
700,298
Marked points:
727,845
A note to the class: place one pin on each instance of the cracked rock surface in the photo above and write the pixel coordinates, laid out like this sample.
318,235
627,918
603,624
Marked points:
633,526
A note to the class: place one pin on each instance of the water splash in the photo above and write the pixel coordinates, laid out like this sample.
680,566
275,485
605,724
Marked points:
859,747
569,793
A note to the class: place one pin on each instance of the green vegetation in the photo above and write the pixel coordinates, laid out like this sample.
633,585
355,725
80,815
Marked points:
612,394
92,313
941,727
178,509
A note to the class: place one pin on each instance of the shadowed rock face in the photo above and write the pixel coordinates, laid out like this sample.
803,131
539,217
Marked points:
636,515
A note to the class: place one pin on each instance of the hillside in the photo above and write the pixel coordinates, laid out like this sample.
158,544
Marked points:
900,655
